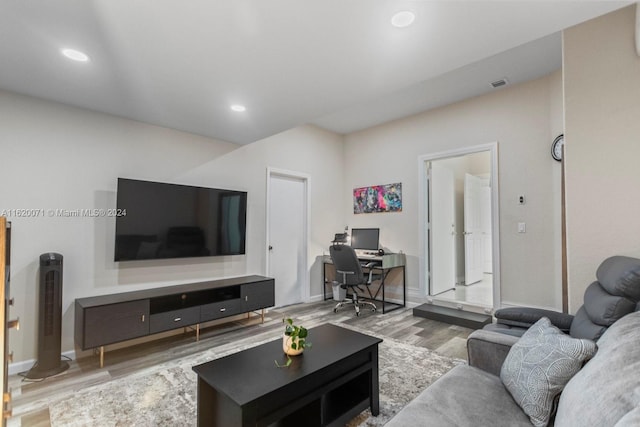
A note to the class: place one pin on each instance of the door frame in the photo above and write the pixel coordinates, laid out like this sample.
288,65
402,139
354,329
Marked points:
423,210
306,180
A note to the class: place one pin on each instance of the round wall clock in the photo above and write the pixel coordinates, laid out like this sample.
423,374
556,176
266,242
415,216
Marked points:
556,147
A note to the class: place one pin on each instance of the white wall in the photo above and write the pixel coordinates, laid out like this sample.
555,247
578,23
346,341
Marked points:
602,104
307,149
54,156
524,119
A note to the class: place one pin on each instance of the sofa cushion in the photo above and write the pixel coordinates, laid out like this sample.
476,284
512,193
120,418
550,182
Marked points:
539,365
583,327
465,396
606,389
514,331
620,275
604,308
631,419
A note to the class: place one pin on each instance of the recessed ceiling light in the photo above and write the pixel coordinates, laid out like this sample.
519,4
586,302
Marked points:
238,108
75,55
403,19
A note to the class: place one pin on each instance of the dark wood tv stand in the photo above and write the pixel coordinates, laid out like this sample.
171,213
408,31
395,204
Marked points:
109,319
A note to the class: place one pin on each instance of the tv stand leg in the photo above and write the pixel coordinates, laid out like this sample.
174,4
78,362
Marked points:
191,328
262,315
101,356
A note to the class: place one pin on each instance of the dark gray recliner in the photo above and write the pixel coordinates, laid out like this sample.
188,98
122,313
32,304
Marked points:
615,294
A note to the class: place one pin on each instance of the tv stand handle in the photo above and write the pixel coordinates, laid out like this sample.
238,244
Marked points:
223,310
177,319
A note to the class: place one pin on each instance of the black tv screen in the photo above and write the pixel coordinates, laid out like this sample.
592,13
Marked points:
158,220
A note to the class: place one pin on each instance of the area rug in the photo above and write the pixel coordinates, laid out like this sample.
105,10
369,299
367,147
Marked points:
165,395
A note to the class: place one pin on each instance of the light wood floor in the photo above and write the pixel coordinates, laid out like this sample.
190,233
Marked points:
29,410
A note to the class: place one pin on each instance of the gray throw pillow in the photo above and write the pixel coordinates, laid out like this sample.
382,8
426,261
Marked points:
539,365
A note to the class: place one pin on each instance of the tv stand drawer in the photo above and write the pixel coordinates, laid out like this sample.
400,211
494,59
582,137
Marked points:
218,310
174,319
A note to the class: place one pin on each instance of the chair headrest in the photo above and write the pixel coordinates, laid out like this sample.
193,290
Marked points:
620,275
339,238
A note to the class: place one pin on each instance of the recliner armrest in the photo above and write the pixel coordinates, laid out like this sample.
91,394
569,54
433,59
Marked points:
525,317
487,350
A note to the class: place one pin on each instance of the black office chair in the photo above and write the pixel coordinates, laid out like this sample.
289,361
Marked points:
350,276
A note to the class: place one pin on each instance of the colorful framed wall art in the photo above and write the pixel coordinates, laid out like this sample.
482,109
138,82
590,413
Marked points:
378,198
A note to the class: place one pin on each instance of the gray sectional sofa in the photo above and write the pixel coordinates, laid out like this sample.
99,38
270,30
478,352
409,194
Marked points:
605,392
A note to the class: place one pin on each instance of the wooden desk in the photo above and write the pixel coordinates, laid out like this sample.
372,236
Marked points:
386,264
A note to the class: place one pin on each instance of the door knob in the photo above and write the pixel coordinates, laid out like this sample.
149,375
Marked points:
270,247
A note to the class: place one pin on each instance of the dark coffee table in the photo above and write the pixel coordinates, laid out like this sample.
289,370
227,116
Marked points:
327,385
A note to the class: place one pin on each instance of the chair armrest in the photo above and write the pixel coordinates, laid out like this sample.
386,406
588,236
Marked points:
525,317
372,266
487,350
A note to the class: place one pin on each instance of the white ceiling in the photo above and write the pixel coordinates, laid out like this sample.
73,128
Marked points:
336,63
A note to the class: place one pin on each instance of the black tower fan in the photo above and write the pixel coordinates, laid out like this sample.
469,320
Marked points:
50,319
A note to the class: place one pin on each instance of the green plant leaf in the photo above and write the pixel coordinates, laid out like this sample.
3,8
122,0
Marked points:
303,332
286,365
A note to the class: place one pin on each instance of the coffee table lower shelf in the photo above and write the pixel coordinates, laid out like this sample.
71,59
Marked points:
331,405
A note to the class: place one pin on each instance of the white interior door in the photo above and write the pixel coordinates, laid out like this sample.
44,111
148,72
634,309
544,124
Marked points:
473,237
442,229
287,252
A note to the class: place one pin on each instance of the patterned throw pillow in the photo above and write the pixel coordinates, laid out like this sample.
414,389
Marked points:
539,365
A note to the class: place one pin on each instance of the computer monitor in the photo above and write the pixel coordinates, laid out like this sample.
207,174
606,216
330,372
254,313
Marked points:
365,238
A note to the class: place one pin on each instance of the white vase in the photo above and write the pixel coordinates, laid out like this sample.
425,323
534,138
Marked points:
286,345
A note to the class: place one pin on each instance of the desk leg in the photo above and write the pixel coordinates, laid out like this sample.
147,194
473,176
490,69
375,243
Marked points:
324,282
404,286
384,301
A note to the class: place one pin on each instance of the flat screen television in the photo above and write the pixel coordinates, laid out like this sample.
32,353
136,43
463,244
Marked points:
159,220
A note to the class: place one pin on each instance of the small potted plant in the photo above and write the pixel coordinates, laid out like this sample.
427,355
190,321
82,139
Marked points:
294,340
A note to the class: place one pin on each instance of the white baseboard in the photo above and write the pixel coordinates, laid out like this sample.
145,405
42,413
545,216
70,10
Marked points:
507,304
316,298
25,365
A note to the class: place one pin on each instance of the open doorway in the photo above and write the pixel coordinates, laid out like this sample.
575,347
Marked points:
460,256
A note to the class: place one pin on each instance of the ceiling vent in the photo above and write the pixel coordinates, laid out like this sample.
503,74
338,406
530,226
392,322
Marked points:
499,83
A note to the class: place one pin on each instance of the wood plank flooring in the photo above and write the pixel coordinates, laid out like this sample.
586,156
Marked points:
29,408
